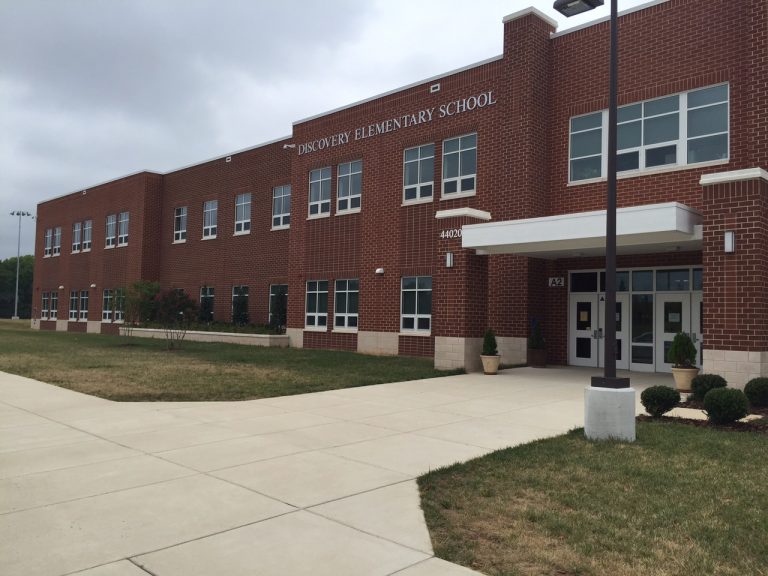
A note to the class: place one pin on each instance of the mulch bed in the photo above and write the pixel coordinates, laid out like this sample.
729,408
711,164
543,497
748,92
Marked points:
759,426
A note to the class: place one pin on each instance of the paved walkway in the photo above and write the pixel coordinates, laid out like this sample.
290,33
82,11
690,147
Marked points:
313,484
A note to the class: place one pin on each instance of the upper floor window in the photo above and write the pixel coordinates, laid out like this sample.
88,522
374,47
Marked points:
346,296
677,130
418,172
180,224
317,304
350,183
210,218
57,241
281,206
48,242
87,233
416,303
77,238
243,213
122,229
460,165
111,235
53,313
320,192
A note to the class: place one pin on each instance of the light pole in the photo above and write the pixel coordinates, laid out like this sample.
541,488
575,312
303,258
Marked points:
600,420
18,213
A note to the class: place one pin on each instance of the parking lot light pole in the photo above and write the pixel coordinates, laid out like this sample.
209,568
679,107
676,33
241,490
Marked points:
18,213
607,402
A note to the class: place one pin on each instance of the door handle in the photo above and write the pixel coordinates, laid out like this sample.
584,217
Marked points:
694,338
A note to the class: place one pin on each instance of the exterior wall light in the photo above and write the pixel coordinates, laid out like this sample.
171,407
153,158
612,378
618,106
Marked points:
573,7
61,287
93,285
729,242
380,271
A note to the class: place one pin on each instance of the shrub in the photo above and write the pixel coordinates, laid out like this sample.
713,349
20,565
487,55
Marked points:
703,383
489,344
682,352
658,400
725,405
757,392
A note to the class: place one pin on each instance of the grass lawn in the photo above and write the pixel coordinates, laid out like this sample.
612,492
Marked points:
138,369
680,501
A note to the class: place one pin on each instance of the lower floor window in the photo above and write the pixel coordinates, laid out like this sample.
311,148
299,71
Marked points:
53,313
416,303
317,303
106,309
346,296
73,305
207,294
44,306
83,305
240,305
119,304
278,304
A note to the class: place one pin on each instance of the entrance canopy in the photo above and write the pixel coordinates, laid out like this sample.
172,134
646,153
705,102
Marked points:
668,227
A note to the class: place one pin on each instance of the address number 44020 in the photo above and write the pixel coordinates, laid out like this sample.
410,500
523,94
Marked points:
451,233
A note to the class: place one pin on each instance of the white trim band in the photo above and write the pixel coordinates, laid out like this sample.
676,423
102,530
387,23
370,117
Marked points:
463,212
733,176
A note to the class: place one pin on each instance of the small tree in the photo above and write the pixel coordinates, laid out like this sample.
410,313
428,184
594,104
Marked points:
175,311
240,306
489,344
141,302
682,352
279,311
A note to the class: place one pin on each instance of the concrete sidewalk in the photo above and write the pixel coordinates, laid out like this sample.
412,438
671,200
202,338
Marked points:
313,484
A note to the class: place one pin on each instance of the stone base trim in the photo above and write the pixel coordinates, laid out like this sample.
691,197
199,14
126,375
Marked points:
93,327
737,366
62,325
34,323
513,350
453,353
295,337
378,343
266,340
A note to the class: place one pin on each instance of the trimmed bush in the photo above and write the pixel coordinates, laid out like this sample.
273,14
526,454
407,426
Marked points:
489,344
757,392
725,405
703,383
682,352
658,400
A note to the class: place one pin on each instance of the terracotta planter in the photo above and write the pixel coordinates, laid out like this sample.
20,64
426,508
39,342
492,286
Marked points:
537,357
683,378
490,364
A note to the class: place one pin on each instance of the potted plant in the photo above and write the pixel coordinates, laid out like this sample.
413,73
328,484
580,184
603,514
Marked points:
682,355
490,355
537,353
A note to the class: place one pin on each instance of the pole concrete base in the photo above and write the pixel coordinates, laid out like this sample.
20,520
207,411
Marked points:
609,413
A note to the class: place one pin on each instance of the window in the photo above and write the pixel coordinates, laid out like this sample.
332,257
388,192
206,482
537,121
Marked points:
320,192
676,130
111,231
48,243
106,309
349,186
83,305
119,304
87,231
53,313
57,241
345,311
416,303
73,305
459,165
210,217
243,213
278,304
317,304
122,229
281,207
207,294
240,305
418,172
44,306
77,232
180,224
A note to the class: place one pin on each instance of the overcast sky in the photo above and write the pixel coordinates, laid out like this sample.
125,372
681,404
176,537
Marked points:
93,90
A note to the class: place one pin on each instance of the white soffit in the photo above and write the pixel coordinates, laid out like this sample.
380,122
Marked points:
652,228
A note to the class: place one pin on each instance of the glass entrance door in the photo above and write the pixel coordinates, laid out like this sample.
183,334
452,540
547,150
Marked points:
584,330
673,315
697,326
622,309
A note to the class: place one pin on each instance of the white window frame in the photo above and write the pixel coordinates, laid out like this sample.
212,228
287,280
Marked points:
422,154
77,237
321,179
45,296
57,241
349,319
281,216
461,177
243,213
314,319
53,311
416,316
210,219
681,143
119,307
73,301
349,186
106,307
179,224
48,243
208,292
247,295
87,235
83,305
123,222
111,231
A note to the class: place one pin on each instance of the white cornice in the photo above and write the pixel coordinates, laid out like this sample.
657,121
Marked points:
463,212
733,176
